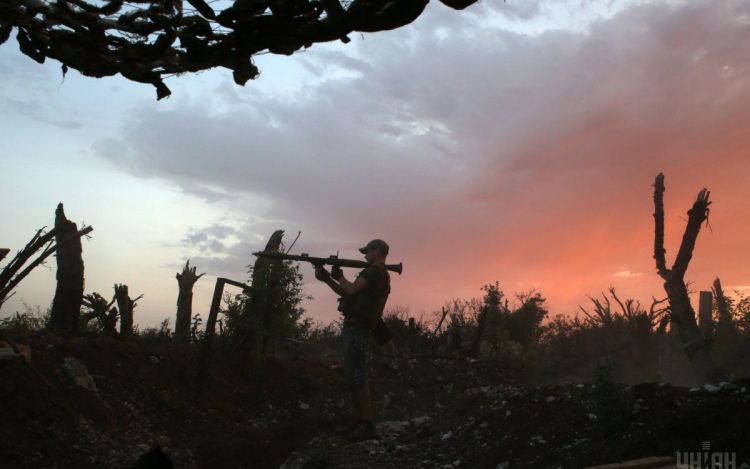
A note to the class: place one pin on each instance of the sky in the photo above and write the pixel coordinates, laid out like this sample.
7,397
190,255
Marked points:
512,141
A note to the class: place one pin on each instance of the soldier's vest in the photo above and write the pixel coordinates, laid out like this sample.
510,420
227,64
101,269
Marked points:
367,308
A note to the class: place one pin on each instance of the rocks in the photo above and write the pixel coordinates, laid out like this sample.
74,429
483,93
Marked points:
711,388
393,427
420,421
80,374
551,399
448,435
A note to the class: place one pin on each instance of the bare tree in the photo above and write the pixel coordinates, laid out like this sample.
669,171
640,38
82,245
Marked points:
630,310
682,312
185,280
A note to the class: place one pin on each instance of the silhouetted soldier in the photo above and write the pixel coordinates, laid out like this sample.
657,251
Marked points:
362,303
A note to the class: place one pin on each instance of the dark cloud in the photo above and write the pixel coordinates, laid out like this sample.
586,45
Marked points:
196,237
472,149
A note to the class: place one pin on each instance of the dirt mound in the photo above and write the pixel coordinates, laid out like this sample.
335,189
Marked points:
110,402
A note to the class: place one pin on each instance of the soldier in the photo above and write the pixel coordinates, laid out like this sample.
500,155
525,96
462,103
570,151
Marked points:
362,303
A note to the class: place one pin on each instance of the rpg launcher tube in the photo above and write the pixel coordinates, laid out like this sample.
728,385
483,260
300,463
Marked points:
320,261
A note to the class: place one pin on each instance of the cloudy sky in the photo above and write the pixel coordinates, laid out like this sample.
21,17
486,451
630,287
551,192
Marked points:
513,141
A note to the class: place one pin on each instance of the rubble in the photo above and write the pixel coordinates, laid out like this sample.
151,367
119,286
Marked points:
291,420
80,374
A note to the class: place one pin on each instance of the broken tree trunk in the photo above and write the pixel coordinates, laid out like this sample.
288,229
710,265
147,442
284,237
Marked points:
126,307
66,306
725,325
186,280
682,312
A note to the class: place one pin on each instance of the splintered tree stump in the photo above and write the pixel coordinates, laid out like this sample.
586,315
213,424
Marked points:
66,306
185,280
725,324
126,307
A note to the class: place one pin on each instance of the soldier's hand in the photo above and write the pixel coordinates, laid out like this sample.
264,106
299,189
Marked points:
322,274
336,272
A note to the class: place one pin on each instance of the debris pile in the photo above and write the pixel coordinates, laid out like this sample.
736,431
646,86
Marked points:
111,403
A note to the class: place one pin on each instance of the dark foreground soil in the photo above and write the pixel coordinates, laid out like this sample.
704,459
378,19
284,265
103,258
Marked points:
109,402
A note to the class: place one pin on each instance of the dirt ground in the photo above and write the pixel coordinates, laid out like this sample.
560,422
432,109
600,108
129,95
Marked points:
109,402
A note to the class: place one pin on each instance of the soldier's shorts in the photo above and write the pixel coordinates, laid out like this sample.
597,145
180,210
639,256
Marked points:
356,342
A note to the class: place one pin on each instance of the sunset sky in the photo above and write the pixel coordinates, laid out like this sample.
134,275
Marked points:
515,142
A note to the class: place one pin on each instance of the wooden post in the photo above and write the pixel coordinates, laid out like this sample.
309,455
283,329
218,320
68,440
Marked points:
412,334
705,307
213,313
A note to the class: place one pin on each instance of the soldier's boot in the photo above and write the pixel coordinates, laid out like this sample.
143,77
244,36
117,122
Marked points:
349,427
363,432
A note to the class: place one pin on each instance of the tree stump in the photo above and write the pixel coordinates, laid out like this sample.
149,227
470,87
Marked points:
725,324
125,305
185,280
66,306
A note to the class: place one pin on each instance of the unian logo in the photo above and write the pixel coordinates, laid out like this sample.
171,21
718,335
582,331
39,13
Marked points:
706,459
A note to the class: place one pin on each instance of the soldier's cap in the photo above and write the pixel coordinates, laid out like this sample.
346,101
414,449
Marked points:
376,244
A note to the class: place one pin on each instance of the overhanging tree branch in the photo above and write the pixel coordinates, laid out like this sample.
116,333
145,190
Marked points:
147,40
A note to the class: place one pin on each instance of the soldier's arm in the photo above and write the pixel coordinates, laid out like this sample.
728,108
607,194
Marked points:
343,286
352,288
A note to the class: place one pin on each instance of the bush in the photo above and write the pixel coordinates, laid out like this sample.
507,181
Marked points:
270,309
31,320
611,405
154,335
